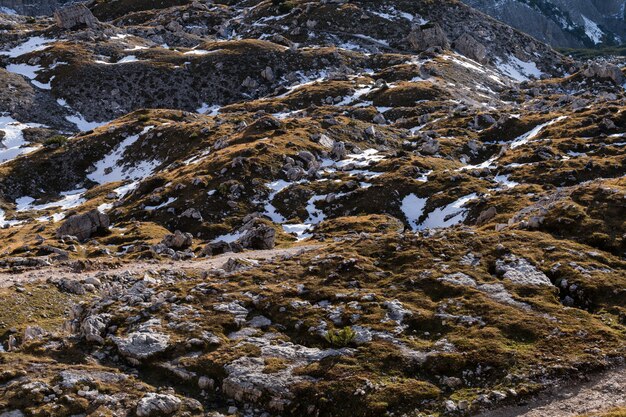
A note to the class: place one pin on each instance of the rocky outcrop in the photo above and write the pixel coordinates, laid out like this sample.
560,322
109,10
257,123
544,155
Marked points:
561,23
74,16
259,237
178,240
604,71
157,405
428,36
521,272
144,343
84,226
32,7
467,45
93,327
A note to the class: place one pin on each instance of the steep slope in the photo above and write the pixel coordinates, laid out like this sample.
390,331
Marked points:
427,209
562,23
31,7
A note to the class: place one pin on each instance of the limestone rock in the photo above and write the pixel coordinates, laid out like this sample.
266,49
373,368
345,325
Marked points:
259,237
467,45
486,215
84,226
93,327
520,271
428,36
153,404
143,343
178,240
604,70
75,15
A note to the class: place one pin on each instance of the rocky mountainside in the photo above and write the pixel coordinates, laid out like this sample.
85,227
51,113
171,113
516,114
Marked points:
295,208
562,23
31,7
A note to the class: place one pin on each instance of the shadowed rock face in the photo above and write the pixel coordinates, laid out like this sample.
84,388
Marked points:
33,7
562,23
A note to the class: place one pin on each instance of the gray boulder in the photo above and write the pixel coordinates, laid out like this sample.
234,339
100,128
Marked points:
153,404
143,343
178,240
84,226
467,45
521,272
428,36
93,327
75,15
604,70
259,237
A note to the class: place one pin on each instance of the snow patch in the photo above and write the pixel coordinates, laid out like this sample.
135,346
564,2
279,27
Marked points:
517,69
112,167
13,144
413,208
593,31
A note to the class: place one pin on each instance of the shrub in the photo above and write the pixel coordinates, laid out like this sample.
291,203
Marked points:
283,6
340,338
55,141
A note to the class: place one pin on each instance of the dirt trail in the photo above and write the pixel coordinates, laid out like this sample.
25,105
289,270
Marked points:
42,274
604,392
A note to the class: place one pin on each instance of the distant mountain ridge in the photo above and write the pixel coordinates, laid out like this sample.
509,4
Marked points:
31,7
562,23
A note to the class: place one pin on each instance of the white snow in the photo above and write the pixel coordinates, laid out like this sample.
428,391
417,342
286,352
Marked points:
8,10
505,181
82,124
413,208
13,143
424,177
229,238
201,52
447,216
315,216
28,71
126,188
125,60
592,30
300,229
270,211
489,163
210,110
69,200
517,69
112,167
364,159
7,223
129,58
160,206
526,137
79,120
36,43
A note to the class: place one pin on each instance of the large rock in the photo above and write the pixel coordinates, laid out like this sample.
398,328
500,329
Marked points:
467,45
75,15
259,237
604,70
84,226
153,404
428,36
94,327
178,240
144,343
521,272
220,247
